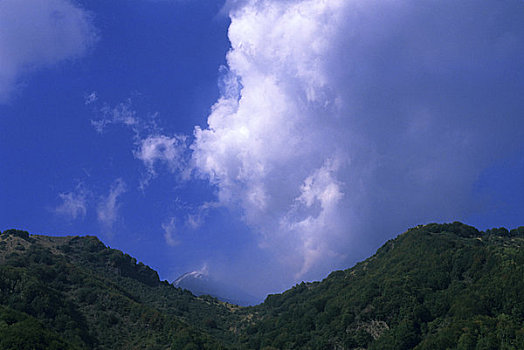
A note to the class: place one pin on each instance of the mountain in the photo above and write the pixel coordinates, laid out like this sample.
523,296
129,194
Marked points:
201,283
76,293
436,286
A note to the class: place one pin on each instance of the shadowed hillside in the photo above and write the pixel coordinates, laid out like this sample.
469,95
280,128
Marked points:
437,286
89,296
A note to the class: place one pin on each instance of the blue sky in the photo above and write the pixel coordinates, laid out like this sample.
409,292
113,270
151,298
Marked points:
267,142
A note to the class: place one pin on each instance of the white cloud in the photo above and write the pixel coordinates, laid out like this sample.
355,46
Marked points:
74,204
161,149
341,119
39,33
195,218
121,114
170,231
107,209
154,150
90,98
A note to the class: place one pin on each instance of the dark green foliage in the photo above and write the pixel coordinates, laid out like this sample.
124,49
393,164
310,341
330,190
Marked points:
437,286
501,231
91,297
456,228
17,233
19,331
517,232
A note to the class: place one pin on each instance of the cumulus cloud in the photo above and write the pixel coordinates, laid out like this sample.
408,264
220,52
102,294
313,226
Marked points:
107,209
74,204
342,119
39,33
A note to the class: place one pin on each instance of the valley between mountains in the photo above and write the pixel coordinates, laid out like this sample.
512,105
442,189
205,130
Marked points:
436,286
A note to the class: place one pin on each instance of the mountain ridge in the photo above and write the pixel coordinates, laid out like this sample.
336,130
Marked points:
436,286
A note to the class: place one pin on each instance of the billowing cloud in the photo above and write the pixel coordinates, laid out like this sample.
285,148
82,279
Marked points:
39,33
341,120
107,209
74,204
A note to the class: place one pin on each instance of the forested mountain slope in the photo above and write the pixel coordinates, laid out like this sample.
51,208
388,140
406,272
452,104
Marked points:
88,296
434,287
437,286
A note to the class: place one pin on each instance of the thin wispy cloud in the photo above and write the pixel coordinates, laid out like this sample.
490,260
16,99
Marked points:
35,34
170,232
121,114
161,150
152,147
90,98
73,204
196,217
108,205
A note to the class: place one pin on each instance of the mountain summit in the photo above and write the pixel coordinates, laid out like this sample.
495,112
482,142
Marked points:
199,282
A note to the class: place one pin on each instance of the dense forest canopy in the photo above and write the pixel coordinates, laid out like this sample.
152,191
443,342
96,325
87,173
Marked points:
436,286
